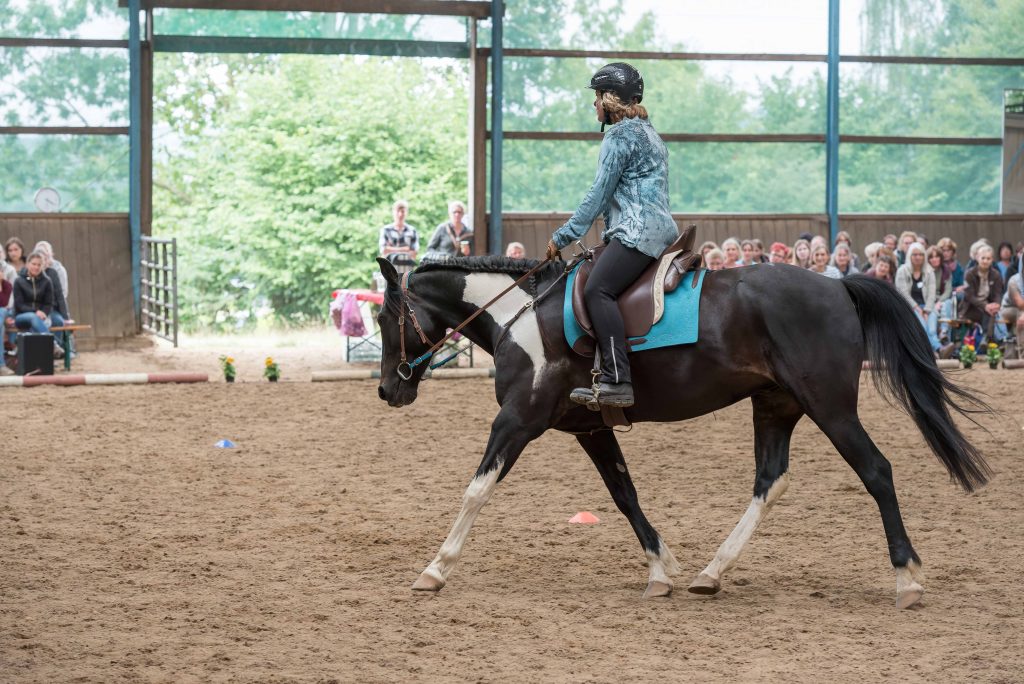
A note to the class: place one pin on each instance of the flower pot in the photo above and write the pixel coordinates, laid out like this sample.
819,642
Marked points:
272,379
968,364
229,379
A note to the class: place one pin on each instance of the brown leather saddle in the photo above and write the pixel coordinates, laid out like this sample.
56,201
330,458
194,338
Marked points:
643,302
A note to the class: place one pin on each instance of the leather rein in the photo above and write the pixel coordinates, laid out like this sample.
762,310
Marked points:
405,367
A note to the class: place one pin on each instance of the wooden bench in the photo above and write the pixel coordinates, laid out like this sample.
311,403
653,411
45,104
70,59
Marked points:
67,334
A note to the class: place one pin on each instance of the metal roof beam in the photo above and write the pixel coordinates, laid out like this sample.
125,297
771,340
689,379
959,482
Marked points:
309,46
478,9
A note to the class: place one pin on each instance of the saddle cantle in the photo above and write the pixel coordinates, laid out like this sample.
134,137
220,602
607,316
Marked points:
643,303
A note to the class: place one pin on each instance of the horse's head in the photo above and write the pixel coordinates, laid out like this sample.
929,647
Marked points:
398,318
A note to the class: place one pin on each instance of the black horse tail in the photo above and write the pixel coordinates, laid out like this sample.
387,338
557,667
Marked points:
905,370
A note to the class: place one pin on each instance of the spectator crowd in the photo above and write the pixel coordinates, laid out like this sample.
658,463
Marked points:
984,297
33,293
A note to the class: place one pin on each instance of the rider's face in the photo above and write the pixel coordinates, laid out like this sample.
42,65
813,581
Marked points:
598,107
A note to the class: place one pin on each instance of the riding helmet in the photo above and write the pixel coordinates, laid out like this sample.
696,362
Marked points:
621,79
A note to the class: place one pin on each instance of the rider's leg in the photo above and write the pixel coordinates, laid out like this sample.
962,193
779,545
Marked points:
618,268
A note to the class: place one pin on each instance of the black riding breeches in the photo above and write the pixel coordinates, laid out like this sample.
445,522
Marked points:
617,269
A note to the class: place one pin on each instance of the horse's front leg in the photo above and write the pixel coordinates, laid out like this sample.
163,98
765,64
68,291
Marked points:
604,451
509,436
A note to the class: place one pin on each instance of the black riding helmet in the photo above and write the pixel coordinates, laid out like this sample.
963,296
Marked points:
619,78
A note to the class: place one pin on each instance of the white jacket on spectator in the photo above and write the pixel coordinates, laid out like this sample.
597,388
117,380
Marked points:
905,281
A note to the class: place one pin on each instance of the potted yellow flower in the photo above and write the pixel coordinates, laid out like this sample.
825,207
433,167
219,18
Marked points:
227,364
271,371
967,355
994,355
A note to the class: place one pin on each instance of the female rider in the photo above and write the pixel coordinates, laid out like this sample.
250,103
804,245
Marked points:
631,191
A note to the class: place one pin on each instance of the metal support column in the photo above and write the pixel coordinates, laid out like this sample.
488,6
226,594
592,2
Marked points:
135,150
832,124
494,238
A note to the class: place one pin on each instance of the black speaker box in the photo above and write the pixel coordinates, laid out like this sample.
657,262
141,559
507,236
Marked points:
35,354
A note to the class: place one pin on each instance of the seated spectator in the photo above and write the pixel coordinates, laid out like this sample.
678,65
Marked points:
843,238
972,253
749,253
759,255
33,299
915,280
715,260
779,253
890,242
451,238
9,272
5,317
952,267
1018,261
515,250
884,268
14,248
1004,260
731,250
871,251
57,268
1013,306
907,238
399,242
819,263
842,259
801,253
945,302
707,247
817,241
923,241
983,294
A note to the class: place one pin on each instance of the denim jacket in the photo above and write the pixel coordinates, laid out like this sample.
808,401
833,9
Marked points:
631,190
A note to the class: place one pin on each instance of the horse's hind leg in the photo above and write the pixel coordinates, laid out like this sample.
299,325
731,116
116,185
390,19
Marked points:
603,449
874,470
509,436
776,413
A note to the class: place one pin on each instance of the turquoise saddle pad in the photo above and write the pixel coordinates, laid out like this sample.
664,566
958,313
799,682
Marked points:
678,325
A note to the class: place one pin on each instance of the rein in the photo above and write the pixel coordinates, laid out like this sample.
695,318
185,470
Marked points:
405,367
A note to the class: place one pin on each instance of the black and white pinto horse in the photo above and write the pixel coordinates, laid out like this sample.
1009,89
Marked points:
789,339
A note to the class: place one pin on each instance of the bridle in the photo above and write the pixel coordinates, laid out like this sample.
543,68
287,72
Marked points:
405,367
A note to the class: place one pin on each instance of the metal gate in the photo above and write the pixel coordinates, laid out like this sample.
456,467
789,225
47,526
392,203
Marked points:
160,287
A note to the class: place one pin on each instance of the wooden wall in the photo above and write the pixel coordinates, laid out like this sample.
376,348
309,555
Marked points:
534,230
1013,163
96,251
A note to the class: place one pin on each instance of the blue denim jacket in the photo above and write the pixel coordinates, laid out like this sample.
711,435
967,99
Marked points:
631,190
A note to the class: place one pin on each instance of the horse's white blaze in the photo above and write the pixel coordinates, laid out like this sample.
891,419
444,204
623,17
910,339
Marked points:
477,494
730,550
662,564
482,287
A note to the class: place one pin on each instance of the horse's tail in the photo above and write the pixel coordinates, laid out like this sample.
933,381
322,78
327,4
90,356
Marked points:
905,369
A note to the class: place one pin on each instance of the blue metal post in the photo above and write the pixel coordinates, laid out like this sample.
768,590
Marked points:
832,124
494,238
135,150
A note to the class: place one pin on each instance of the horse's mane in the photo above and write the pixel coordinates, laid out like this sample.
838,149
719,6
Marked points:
480,264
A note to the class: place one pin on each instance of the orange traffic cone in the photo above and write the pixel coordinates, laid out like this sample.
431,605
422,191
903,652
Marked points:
585,518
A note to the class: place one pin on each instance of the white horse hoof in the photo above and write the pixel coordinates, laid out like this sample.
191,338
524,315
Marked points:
427,582
657,590
909,596
705,584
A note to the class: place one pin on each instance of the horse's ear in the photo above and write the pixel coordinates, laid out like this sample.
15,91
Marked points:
388,270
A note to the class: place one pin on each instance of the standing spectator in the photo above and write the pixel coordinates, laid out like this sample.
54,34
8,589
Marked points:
33,299
515,250
759,255
51,263
779,253
907,238
915,280
399,242
944,300
731,250
1004,260
884,268
15,251
9,272
707,247
715,260
983,294
801,253
890,241
819,263
452,237
1013,307
843,238
842,259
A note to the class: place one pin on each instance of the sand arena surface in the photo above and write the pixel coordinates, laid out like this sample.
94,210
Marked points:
131,550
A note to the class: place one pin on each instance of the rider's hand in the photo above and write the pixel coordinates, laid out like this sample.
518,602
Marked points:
552,252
